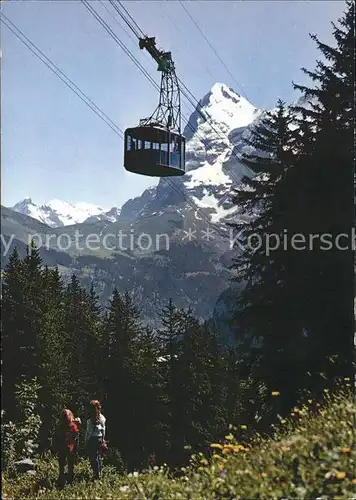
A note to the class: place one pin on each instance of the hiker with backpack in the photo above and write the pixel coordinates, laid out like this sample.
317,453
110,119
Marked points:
95,437
67,444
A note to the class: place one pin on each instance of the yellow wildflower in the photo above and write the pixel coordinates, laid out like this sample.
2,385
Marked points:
216,456
341,475
347,379
275,393
229,448
244,427
216,445
264,474
229,437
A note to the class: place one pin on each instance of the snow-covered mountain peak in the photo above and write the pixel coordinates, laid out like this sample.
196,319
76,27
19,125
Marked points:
56,213
214,140
74,213
219,113
223,106
221,91
227,108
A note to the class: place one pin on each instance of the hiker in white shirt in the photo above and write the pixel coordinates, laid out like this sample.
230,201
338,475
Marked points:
95,436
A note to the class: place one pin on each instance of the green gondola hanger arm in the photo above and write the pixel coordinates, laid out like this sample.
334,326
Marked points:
163,59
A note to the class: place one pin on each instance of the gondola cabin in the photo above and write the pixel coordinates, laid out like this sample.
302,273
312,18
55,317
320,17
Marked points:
154,151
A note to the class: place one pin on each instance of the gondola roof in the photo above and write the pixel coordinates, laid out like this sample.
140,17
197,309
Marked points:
151,133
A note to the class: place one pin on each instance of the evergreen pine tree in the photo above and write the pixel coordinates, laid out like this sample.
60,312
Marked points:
215,405
33,301
12,331
170,336
267,304
53,356
324,183
81,344
22,306
195,386
122,330
150,430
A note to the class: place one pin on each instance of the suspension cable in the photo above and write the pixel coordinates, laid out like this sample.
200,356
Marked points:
131,56
100,20
132,19
211,46
116,21
207,118
118,41
60,74
170,18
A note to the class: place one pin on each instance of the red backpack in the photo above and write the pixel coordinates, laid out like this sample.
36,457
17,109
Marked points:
72,435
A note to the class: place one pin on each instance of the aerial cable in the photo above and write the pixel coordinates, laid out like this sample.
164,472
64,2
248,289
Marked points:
60,74
193,205
122,45
136,62
206,118
180,31
126,50
117,22
187,93
170,183
136,33
211,46
129,53
132,19
118,41
148,76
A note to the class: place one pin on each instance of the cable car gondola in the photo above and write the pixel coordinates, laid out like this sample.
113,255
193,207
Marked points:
156,147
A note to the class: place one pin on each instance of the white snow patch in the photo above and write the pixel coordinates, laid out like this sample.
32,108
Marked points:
222,212
229,108
209,201
74,213
207,175
58,213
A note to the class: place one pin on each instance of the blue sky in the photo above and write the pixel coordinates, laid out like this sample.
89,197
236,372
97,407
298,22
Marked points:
54,146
